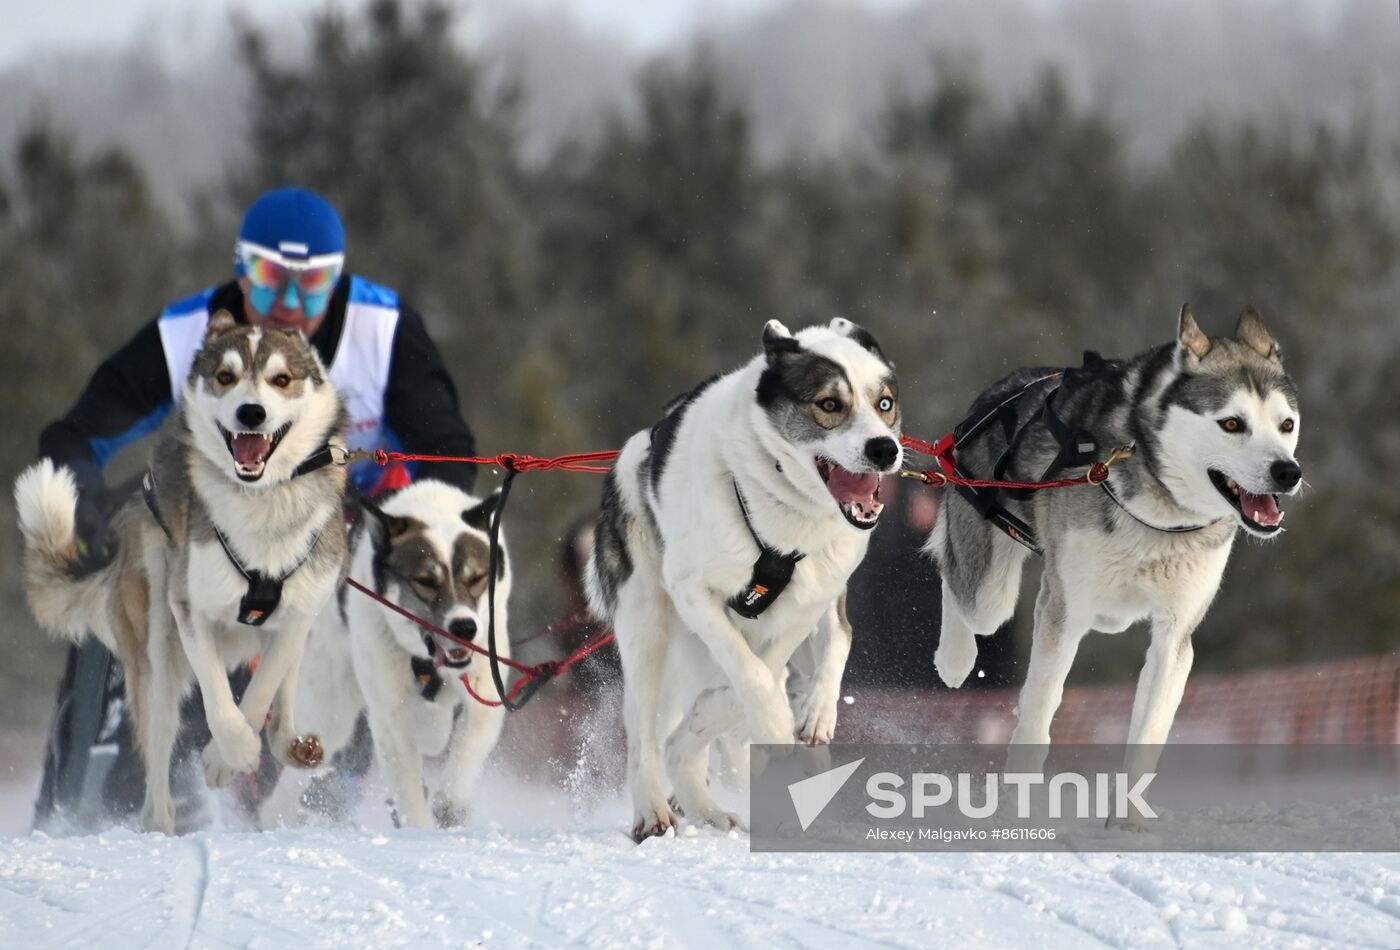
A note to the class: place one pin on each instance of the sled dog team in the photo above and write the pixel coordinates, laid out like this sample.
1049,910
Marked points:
726,537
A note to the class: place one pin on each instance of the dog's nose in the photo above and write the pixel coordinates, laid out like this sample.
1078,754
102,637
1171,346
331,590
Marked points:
1286,473
463,629
250,414
882,452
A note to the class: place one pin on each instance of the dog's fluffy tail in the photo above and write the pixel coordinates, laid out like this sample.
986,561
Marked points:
64,599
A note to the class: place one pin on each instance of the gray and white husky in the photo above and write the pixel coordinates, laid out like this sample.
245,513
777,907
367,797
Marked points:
704,519
425,548
232,503
1215,423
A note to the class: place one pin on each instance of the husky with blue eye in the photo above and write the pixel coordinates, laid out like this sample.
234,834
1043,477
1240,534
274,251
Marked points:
1215,424
237,544
727,534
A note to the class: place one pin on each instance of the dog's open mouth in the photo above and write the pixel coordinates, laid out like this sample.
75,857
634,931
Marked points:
1260,513
453,657
856,493
251,450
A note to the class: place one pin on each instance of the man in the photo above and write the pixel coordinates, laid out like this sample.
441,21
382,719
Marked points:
289,272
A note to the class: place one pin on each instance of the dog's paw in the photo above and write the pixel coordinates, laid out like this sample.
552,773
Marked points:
699,808
719,818
723,820
412,812
773,725
1134,823
954,659
300,752
159,819
654,823
449,813
817,723
234,749
218,773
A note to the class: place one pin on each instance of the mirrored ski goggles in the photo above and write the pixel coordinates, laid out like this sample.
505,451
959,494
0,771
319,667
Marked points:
307,283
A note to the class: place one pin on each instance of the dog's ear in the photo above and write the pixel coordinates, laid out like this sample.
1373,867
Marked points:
389,527
479,516
219,324
1189,336
863,337
1252,333
778,340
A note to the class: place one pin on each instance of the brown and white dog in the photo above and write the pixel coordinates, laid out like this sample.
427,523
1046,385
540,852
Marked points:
425,548
235,550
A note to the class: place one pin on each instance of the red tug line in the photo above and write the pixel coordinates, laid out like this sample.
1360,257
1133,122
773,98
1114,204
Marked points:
601,463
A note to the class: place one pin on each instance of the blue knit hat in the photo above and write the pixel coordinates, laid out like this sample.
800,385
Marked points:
294,222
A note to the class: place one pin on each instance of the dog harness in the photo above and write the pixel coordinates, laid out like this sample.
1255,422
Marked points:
772,572
1076,447
425,672
264,591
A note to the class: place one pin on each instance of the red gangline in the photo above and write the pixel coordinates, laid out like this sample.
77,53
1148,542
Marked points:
943,452
580,462
599,463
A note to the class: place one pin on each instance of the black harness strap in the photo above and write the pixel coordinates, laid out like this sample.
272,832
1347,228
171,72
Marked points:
148,492
425,672
264,592
772,572
986,501
1077,447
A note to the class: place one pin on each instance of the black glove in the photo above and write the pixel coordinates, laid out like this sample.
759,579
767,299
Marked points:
97,544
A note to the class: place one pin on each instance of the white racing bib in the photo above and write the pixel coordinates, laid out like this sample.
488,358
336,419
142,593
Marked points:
359,368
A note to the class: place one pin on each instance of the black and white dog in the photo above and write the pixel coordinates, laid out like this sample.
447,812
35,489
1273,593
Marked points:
727,534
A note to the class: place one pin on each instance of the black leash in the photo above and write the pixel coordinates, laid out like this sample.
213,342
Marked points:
527,692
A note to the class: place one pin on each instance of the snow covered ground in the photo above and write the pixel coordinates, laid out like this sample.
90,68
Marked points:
540,871
592,887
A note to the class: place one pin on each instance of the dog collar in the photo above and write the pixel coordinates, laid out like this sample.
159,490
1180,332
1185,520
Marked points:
319,459
772,572
1170,529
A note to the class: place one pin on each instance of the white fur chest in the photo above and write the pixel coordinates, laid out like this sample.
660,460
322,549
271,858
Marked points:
1116,579
217,589
430,722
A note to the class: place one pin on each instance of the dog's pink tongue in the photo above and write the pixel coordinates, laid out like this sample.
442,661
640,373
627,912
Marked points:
439,655
250,449
849,487
1261,509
